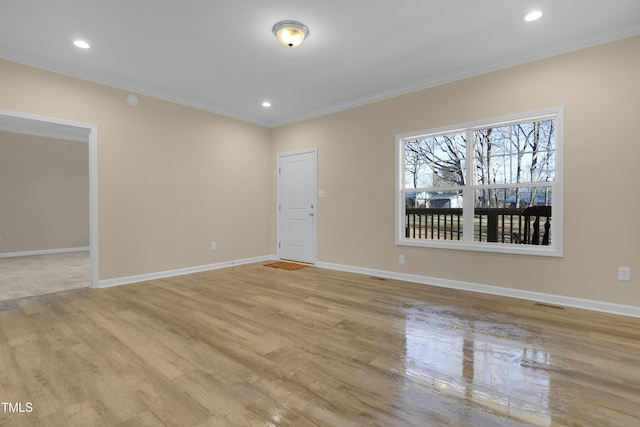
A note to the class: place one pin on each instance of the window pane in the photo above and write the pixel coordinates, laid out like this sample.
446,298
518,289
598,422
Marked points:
513,197
434,215
437,161
506,168
515,153
503,215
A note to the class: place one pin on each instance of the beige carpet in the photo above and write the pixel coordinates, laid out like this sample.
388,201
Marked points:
43,274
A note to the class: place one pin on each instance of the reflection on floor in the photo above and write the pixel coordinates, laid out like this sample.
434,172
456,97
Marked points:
481,365
43,274
255,346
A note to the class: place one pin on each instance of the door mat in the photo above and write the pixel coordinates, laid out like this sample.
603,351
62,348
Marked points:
286,265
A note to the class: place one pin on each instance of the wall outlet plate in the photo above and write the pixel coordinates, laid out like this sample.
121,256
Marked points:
624,274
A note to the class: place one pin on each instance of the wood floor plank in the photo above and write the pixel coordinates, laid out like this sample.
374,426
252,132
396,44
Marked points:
256,346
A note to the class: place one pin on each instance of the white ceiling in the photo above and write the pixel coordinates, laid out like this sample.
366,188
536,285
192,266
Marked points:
221,56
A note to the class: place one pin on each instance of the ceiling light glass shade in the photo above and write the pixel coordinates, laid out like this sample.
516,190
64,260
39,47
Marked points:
290,33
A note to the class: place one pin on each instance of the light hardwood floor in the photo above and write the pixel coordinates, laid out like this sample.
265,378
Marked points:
257,346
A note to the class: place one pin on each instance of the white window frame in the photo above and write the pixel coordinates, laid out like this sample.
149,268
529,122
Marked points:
555,249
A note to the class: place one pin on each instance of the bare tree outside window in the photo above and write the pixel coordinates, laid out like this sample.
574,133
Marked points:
499,170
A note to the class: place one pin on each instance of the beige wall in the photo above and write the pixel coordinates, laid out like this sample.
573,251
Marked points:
600,91
172,179
44,193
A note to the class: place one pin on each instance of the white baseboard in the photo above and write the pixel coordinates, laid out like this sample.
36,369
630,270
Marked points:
605,307
43,252
180,271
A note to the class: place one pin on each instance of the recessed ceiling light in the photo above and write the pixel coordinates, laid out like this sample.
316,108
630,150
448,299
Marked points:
81,44
533,16
266,104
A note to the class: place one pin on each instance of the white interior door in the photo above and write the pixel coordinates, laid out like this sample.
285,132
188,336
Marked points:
297,183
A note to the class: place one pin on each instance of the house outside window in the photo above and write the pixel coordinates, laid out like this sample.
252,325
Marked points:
494,185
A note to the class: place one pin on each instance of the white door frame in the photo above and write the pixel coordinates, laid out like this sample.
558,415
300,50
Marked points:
315,198
14,121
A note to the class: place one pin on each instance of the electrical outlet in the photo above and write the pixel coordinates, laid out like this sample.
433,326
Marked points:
400,259
213,246
624,274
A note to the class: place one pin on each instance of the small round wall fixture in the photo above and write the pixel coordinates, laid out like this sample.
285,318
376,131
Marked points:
132,100
290,33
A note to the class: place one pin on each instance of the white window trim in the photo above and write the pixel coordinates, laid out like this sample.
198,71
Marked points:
555,249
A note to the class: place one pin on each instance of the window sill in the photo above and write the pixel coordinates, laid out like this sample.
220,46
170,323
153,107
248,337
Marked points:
504,248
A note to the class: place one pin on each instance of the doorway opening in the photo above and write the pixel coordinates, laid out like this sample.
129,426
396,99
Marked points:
23,124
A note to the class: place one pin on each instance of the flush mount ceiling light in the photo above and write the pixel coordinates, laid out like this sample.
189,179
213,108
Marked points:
290,33
533,16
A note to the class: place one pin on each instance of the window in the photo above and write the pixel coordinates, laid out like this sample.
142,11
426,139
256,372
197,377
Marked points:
489,186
